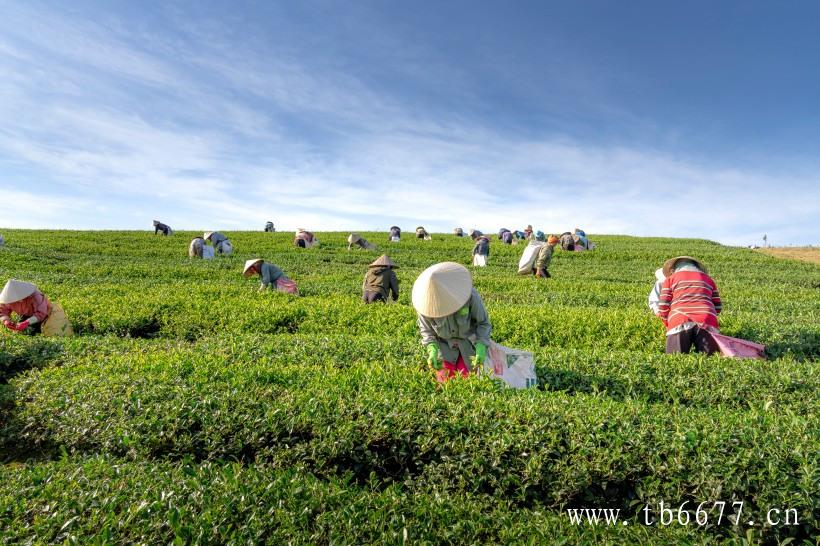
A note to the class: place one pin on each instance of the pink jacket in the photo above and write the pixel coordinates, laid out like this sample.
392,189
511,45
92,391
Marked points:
36,305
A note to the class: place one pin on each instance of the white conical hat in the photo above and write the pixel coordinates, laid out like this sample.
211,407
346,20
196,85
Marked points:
207,235
383,260
442,289
353,238
249,264
16,290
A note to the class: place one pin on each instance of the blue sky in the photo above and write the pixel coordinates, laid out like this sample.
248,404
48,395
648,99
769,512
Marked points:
695,119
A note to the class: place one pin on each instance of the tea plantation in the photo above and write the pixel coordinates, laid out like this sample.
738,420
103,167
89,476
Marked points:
191,409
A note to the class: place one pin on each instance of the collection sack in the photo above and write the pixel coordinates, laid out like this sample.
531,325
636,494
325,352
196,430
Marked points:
527,261
479,260
57,323
513,366
738,348
287,286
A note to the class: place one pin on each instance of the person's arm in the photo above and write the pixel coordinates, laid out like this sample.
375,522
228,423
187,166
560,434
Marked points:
478,314
265,275
665,300
428,333
5,317
394,285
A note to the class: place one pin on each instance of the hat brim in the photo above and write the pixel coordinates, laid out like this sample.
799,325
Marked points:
669,265
442,289
15,291
248,265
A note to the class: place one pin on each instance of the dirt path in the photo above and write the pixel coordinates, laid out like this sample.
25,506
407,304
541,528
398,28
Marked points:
804,253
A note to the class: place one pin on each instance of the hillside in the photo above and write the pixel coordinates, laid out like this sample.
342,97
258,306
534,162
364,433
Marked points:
189,407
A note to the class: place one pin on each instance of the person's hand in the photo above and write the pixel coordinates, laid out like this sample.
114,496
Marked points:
9,324
22,326
433,358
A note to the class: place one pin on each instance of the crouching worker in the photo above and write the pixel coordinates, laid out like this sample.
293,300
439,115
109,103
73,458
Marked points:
421,233
454,325
159,227
305,239
689,305
380,281
542,261
272,277
505,236
269,228
481,251
395,234
222,245
458,232
35,312
358,240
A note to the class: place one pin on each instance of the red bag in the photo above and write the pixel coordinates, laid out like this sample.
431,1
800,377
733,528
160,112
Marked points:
738,348
287,286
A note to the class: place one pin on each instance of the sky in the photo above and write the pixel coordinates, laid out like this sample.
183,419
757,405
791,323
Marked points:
648,118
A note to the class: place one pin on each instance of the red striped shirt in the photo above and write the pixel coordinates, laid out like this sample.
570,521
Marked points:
689,296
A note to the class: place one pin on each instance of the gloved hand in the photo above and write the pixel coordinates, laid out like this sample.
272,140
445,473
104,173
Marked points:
9,324
433,356
22,326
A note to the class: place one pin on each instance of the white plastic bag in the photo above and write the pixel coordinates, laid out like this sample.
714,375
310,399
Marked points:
525,264
513,366
479,260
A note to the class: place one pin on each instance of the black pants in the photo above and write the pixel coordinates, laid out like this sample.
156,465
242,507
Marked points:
372,297
696,337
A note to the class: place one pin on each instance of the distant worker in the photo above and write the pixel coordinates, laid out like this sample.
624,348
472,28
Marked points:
454,325
528,232
269,228
518,236
475,234
421,233
542,261
198,249
35,312
380,281
159,227
506,236
458,232
566,240
481,251
395,234
689,305
271,276
304,239
222,245
580,238
654,299
358,240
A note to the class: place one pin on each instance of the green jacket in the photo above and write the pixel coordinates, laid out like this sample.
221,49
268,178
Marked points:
382,280
270,274
544,257
459,332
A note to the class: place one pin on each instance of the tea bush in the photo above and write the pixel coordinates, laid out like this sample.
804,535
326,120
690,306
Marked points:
190,408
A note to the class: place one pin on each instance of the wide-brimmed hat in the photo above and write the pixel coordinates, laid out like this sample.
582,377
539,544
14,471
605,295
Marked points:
249,264
354,238
659,274
669,265
15,291
383,261
442,289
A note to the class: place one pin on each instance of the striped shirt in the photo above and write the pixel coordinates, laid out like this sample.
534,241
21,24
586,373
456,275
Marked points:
689,296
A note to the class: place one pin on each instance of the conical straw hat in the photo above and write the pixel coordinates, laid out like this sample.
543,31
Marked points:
353,238
16,290
442,289
207,235
249,264
383,260
669,265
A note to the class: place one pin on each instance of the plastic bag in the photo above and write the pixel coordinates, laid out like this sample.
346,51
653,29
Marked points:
738,348
479,260
527,261
287,286
513,366
57,323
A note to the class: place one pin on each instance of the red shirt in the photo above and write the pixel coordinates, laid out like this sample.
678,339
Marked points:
689,296
35,305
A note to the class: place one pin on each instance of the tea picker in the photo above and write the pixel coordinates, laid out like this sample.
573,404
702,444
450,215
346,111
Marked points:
505,236
222,245
358,240
421,233
304,239
395,234
481,251
689,304
165,229
269,227
37,314
453,322
380,281
270,275
198,249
